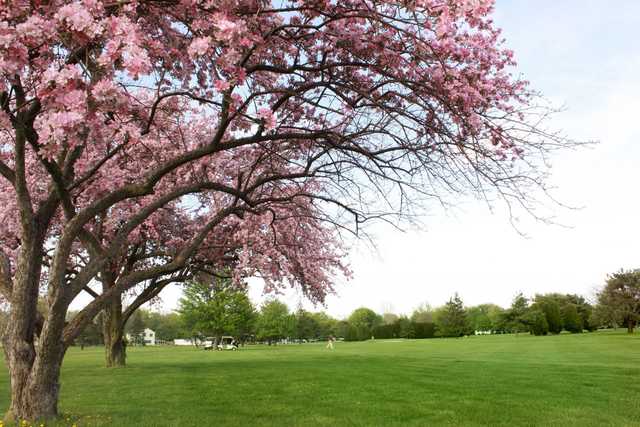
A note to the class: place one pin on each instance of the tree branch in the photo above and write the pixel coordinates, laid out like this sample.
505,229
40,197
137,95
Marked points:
8,173
127,282
149,293
91,292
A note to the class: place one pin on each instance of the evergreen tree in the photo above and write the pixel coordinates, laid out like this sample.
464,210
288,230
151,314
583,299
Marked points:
453,320
515,318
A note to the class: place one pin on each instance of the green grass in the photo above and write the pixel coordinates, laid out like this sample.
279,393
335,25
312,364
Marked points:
582,380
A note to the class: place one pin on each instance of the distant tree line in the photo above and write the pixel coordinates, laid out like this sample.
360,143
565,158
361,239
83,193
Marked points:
540,315
219,308
617,304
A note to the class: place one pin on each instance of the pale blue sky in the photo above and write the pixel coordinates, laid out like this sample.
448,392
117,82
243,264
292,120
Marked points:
579,53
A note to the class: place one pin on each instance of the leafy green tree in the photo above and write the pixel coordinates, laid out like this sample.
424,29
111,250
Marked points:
405,327
559,312
327,325
352,333
570,318
495,315
423,330
341,328
386,331
550,305
437,314
537,321
216,309
585,310
274,321
453,322
364,320
169,327
480,317
306,325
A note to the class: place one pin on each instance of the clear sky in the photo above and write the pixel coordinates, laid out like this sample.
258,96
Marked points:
585,55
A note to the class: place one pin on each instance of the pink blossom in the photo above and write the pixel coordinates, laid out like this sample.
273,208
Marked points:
76,16
136,62
199,46
34,29
268,118
104,90
226,26
221,85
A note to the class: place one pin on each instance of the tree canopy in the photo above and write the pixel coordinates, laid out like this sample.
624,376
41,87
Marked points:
276,118
216,309
274,321
619,300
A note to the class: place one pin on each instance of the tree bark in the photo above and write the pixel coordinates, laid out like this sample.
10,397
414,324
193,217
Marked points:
113,333
630,326
34,387
33,357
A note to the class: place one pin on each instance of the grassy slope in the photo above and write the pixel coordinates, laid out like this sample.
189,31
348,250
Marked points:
588,379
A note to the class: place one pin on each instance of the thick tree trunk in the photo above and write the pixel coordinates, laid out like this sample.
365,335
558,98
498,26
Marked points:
33,363
630,326
35,388
113,333
34,370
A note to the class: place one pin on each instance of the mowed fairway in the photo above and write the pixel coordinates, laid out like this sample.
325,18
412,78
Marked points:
588,379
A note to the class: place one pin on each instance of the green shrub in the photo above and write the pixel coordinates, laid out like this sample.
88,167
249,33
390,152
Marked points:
351,333
571,319
424,329
385,331
538,324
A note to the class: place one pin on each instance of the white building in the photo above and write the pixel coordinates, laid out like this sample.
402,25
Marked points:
149,337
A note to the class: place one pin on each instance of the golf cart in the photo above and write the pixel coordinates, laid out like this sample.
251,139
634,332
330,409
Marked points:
228,343
208,343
